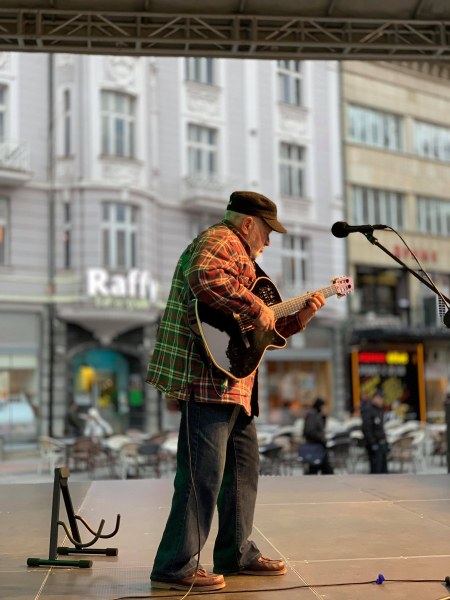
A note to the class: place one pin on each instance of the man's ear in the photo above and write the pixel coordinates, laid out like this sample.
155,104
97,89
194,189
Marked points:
246,224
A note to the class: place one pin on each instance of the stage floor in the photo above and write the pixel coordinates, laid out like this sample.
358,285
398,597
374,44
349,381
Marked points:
331,530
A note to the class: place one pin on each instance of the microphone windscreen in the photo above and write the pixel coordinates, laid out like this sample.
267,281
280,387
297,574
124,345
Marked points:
339,229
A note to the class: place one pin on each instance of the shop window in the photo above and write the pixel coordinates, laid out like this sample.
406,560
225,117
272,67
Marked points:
101,379
379,290
18,397
293,386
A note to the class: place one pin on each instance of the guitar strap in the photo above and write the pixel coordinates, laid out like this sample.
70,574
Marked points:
254,399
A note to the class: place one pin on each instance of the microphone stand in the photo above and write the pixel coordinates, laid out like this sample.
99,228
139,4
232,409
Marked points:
373,240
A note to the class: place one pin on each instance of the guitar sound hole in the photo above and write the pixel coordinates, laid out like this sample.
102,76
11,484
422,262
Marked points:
267,295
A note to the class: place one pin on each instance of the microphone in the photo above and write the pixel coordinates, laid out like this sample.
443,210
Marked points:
341,229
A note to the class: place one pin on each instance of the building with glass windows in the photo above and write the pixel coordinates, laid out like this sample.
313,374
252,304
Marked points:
396,131
108,167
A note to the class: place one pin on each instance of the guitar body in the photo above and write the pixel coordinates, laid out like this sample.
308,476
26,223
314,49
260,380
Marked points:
235,351
232,343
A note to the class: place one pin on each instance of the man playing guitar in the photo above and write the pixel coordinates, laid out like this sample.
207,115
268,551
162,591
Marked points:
218,458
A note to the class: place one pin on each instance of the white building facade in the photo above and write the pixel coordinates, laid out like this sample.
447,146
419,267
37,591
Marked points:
109,166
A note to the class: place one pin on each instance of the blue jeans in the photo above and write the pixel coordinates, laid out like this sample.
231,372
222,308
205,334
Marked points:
220,440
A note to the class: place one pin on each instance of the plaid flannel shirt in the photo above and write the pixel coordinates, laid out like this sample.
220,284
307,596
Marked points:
217,267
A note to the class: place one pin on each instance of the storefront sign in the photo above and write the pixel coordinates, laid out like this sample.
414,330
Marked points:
422,254
388,358
397,372
133,290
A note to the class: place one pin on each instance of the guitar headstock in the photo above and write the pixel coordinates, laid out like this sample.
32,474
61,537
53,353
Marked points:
343,286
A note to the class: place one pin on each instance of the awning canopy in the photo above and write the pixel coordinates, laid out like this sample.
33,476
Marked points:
265,29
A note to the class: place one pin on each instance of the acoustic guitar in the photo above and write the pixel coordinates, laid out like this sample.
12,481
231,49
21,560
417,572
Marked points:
233,344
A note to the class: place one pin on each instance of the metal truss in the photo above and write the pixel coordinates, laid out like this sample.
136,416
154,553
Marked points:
227,35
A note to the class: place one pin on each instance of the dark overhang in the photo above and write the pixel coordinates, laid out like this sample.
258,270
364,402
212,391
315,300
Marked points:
264,29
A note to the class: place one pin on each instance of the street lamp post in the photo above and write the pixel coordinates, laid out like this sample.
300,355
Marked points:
51,243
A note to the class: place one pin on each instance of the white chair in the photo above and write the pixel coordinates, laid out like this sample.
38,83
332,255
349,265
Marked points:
409,451
51,453
396,430
358,458
129,459
419,449
115,442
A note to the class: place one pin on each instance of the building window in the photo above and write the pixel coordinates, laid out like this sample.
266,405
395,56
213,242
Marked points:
201,70
201,221
432,141
67,235
374,128
292,170
295,260
67,125
118,124
119,231
433,216
3,231
380,290
290,82
375,206
202,151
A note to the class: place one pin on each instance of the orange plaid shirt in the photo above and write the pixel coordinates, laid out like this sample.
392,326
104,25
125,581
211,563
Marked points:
217,267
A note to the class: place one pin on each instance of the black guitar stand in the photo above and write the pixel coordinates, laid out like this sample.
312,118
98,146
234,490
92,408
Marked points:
60,484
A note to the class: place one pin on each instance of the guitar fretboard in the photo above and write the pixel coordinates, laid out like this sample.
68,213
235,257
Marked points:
283,309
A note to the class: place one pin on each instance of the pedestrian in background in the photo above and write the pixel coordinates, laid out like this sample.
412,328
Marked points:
314,433
96,426
372,414
75,423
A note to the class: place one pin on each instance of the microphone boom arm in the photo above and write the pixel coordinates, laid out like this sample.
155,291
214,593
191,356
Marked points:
373,240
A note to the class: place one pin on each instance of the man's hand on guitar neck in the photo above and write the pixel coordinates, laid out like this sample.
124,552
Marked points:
305,315
265,321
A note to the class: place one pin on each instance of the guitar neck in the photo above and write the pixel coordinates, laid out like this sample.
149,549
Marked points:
283,309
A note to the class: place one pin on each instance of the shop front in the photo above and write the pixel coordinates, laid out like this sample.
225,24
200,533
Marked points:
109,378
292,387
20,375
397,370
101,379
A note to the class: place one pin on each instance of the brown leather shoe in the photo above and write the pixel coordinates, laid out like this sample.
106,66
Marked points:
264,566
203,582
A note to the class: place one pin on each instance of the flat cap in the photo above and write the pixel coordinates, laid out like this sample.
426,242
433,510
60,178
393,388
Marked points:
256,205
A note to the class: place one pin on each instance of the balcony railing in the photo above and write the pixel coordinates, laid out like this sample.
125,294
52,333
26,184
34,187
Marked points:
14,162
